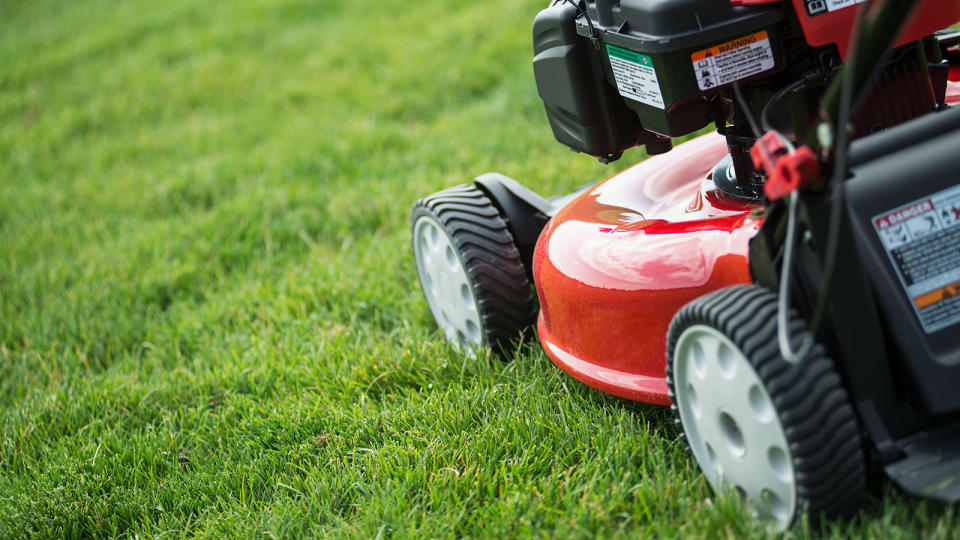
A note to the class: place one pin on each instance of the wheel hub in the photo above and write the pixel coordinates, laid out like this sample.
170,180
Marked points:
446,285
731,424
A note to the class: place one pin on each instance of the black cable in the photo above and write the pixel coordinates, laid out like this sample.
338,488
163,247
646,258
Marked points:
583,11
783,301
783,294
765,114
758,135
840,144
746,111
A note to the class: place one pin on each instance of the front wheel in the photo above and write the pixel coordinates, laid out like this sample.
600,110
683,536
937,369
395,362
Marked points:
470,269
780,434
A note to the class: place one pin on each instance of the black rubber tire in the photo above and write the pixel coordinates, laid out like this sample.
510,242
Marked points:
809,397
482,241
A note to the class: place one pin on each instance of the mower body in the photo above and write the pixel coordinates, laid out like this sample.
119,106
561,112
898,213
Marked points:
614,266
686,281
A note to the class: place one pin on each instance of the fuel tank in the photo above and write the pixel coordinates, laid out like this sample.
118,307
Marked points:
614,266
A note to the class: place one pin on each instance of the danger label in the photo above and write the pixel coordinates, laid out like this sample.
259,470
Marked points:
885,222
922,240
635,75
816,7
732,61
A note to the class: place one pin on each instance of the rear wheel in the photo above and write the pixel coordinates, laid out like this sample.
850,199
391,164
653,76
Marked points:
782,435
470,269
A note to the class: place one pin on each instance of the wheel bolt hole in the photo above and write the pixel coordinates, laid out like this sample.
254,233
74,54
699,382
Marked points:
711,455
473,331
760,404
779,464
773,505
732,435
727,361
693,400
742,493
697,355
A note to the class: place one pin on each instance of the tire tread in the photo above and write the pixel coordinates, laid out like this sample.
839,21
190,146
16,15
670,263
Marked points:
819,423
489,254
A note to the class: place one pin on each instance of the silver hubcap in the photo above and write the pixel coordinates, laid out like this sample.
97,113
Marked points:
731,424
446,285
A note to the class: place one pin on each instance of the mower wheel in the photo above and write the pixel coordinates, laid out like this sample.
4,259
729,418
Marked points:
783,435
470,269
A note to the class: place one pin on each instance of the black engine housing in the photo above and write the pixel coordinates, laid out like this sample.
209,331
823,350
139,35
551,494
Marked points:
628,72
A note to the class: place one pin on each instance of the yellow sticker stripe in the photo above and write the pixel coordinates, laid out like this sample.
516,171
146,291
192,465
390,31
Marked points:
937,295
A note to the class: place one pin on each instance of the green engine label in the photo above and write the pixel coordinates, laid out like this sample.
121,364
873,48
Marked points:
636,76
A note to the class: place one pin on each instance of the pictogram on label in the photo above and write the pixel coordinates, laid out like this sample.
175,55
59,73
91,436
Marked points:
817,7
922,240
636,76
732,61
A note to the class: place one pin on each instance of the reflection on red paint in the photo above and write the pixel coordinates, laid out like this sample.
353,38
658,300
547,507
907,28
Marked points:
613,267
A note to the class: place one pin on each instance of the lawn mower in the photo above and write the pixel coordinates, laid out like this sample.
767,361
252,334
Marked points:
789,284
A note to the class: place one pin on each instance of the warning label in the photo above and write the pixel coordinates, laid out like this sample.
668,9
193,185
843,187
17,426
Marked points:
922,240
732,61
636,77
816,7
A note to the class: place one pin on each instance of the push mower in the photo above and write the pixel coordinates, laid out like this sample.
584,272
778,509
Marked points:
788,284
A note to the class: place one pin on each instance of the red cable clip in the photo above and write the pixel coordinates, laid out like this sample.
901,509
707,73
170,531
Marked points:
786,172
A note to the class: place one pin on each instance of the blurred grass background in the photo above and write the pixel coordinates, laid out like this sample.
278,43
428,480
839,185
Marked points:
209,318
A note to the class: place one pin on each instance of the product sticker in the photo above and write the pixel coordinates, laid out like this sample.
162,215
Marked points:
816,7
636,78
922,240
732,61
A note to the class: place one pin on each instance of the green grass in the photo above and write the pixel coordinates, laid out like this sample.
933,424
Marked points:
209,318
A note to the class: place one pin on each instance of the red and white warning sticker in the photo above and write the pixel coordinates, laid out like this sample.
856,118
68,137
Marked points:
733,60
922,240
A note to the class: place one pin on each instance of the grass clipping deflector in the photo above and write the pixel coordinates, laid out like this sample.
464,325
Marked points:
790,284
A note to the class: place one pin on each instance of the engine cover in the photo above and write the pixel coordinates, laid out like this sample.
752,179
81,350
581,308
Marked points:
621,73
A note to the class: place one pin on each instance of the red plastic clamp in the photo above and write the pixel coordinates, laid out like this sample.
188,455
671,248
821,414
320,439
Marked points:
786,172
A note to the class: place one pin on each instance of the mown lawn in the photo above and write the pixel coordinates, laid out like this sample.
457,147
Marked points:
209,317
